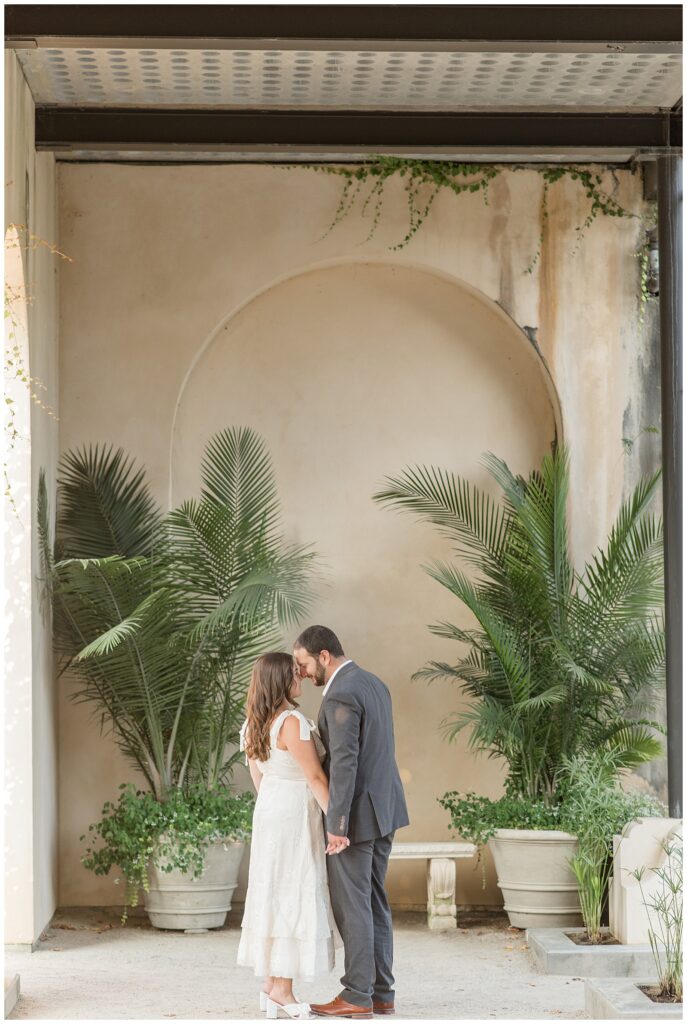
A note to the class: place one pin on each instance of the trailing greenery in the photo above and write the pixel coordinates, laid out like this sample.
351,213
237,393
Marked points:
667,902
476,818
562,663
424,180
594,807
17,299
159,617
174,835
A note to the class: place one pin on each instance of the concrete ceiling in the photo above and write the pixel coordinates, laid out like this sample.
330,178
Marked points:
254,82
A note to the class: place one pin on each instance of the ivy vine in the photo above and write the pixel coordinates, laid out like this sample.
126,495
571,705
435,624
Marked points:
364,185
424,179
643,255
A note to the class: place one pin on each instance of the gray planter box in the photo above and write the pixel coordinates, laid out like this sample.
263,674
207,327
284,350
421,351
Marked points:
622,999
555,953
12,990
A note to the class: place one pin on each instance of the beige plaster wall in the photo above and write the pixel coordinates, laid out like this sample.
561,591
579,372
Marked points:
29,688
206,296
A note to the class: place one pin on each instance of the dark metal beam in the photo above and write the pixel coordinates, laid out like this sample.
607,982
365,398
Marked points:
600,23
670,264
61,127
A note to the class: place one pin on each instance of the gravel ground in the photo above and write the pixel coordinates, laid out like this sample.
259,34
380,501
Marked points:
89,968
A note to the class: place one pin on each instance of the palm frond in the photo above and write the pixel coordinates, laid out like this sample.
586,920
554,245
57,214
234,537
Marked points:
459,509
104,505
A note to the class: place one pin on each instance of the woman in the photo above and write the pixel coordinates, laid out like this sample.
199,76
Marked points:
288,929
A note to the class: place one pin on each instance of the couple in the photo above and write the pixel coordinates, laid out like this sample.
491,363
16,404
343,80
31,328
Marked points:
345,770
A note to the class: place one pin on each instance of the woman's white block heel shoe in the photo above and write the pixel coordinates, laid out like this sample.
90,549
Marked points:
296,1011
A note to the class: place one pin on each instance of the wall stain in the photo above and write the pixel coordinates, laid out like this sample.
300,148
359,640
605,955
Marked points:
500,242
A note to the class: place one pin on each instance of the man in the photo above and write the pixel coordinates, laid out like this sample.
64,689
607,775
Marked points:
366,806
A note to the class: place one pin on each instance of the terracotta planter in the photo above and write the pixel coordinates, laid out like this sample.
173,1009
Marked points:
177,901
538,885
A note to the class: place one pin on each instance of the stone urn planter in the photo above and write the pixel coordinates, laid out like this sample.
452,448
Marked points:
534,874
178,901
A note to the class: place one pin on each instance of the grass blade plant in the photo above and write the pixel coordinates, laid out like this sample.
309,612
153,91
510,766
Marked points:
594,807
666,923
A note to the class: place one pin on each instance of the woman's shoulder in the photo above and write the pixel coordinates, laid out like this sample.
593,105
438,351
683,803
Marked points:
293,721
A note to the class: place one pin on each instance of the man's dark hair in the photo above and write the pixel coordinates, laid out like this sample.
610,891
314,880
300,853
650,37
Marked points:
319,638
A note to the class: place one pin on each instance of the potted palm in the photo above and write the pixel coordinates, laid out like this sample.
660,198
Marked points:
561,663
158,618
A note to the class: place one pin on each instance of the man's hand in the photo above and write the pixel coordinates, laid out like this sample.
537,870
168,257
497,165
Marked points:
335,844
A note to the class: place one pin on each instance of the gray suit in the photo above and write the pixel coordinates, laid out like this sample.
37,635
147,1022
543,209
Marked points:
367,804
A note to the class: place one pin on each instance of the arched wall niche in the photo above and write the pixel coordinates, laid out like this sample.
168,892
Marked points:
517,335
350,372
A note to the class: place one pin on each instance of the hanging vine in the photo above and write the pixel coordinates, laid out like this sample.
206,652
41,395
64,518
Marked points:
647,272
19,237
424,180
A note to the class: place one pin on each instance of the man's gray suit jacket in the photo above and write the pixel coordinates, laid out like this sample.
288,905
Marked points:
366,798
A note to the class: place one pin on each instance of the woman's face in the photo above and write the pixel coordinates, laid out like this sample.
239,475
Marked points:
296,687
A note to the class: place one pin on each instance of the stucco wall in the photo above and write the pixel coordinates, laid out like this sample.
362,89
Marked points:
30,706
200,297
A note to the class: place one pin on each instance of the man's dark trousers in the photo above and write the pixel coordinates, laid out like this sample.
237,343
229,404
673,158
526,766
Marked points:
363,916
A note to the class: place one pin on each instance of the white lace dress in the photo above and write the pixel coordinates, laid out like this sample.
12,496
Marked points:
288,928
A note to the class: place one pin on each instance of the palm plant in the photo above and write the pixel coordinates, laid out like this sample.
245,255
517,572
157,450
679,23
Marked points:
159,617
562,662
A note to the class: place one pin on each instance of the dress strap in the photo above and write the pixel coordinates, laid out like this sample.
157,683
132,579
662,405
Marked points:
305,725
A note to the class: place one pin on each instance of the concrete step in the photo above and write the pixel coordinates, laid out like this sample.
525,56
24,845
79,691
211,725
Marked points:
11,994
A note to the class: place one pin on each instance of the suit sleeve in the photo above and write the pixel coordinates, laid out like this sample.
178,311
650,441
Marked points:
343,724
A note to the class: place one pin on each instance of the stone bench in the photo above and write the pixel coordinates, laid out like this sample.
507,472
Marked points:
441,877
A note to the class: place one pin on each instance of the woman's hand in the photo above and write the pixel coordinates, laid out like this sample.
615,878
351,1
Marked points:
336,844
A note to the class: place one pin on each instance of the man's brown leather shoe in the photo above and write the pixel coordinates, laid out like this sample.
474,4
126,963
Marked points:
383,1009
340,1008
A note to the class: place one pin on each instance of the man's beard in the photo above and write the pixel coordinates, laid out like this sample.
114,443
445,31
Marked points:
319,679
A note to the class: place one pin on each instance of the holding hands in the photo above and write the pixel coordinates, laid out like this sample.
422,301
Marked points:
336,844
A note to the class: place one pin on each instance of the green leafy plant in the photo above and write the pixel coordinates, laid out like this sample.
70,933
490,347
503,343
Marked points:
476,818
665,937
173,835
594,807
424,180
590,804
561,662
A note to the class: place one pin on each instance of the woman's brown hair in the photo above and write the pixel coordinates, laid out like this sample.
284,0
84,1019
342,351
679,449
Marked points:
270,686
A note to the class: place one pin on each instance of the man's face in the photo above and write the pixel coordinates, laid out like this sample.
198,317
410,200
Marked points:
311,667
